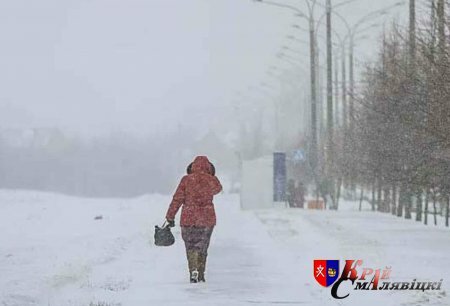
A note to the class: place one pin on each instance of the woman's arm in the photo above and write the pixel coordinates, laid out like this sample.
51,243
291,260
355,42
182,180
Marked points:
177,200
215,185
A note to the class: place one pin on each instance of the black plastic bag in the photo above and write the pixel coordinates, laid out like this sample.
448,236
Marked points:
163,236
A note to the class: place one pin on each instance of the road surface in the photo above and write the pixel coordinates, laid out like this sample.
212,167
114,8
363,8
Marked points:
55,252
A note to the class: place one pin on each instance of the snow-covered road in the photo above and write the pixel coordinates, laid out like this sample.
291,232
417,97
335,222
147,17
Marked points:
54,253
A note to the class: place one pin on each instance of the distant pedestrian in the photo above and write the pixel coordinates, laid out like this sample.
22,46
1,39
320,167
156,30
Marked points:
290,194
295,194
300,192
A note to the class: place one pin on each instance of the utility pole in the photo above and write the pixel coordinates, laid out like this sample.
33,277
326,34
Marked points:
441,27
312,58
337,120
384,57
313,75
329,88
336,92
352,85
433,28
350,131
430,106
344,112
412,33
406,192
344,88
442,60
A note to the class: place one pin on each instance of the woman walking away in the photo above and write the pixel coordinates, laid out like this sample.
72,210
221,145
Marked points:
195,193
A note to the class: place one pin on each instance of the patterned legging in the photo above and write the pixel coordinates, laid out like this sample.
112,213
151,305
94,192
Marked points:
197,238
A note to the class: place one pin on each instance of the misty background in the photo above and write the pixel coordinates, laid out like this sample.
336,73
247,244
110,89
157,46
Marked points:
115,98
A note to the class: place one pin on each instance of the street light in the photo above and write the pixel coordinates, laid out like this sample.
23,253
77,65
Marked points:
310,18
351,32
343,54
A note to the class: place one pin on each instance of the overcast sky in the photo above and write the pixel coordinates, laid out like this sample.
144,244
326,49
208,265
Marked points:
92,66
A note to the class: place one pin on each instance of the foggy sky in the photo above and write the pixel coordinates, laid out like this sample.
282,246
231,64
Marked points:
92,66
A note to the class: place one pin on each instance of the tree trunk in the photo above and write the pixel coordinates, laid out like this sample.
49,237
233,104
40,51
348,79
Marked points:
387,199
373,196
407,202
427,199
419,205
361,198
401,201
379,195
394,199
434,207
338,195
447,211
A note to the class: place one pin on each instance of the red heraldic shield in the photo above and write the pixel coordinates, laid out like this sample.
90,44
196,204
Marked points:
320,272
326,272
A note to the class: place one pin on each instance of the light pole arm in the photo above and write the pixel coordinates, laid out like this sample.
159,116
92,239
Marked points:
376,13
335,13
352,29
286,6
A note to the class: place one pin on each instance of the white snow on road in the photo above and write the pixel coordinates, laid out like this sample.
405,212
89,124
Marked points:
54,253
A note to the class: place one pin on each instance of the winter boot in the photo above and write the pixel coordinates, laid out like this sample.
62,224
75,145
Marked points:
201,267
193,264
194,277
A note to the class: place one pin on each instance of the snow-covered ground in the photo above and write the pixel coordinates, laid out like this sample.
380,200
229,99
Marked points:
53,252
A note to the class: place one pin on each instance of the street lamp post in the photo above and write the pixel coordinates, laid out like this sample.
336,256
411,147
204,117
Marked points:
341,46
351,32
336,91
329,89
344,88
312,57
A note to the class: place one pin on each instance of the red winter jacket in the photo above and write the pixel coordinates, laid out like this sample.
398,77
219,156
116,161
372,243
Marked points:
195,192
